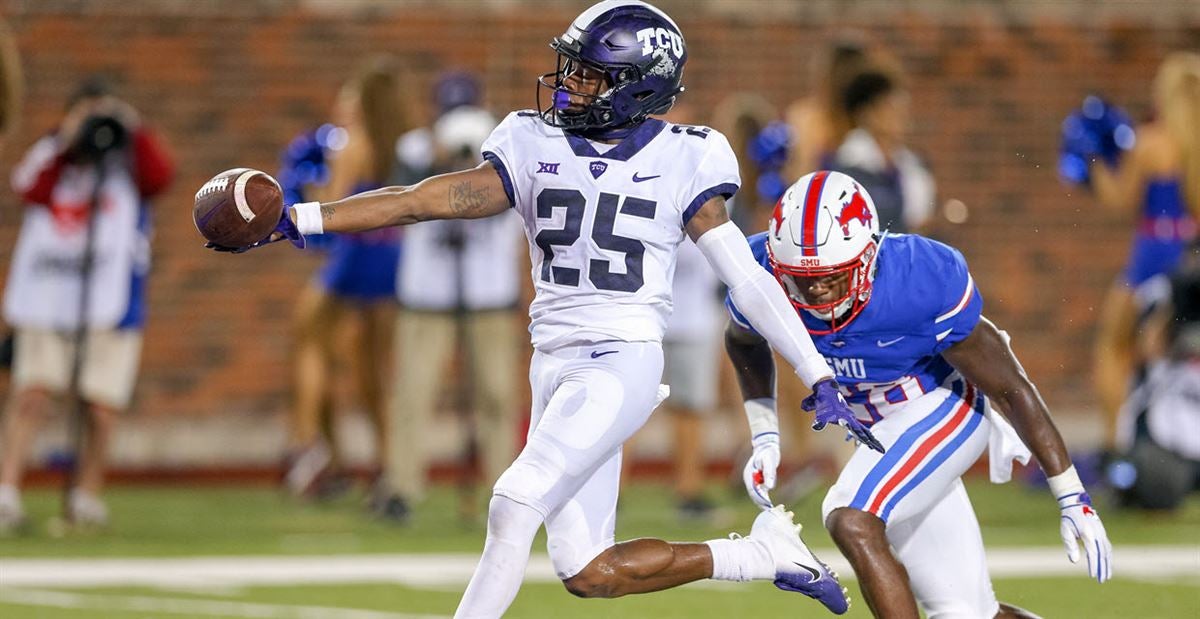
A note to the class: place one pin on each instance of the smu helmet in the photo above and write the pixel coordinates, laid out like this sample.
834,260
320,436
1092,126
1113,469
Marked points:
825,226
641,53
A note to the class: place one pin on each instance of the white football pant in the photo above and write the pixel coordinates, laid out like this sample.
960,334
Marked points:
915,488
587,401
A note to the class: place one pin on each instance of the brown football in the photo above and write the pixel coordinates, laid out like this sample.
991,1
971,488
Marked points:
238,207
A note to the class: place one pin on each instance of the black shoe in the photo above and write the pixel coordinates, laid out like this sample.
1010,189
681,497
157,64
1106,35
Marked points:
332,486
392,508
695,509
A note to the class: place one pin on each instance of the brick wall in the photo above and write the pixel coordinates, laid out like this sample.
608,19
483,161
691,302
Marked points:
229,83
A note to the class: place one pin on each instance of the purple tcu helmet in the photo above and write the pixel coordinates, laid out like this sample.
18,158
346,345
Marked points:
641,53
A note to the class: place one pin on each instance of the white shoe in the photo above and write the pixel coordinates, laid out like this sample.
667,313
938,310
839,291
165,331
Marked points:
86,510
796,568
305,467
12,515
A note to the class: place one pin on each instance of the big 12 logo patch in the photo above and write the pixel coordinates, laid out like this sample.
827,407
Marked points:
660,38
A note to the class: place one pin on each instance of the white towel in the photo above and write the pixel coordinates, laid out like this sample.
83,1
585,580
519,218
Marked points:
1004,446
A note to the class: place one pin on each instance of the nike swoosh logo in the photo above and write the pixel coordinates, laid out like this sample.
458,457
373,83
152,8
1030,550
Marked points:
815,574
883,344
596,354
638,179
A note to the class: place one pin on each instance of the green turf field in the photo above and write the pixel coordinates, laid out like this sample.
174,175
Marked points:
256,522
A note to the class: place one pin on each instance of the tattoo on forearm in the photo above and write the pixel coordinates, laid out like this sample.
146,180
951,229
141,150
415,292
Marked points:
327,210
465,200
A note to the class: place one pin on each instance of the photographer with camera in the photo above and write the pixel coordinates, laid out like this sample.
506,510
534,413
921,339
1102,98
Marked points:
76,287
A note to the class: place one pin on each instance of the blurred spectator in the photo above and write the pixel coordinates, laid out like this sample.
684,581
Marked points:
358,281
76,285
742,118
11,84
458,287
1160,179
877,102
11,91
1160,434
819,122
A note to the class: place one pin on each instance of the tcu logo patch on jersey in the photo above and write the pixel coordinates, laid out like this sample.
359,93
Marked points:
660,38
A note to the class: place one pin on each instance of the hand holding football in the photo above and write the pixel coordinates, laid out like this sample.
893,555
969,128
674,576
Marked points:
238,207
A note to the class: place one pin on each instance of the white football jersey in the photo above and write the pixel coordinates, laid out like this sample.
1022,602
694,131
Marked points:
604,222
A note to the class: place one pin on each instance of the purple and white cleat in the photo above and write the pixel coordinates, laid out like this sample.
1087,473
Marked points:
796,568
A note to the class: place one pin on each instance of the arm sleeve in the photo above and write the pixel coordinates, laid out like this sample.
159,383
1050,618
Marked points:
737,317
960,305
716,175
499,149
761,301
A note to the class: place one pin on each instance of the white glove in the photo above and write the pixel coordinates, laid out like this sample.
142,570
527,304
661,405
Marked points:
1081,524
759,474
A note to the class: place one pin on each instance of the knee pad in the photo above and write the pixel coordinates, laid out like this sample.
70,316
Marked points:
533,478
512,522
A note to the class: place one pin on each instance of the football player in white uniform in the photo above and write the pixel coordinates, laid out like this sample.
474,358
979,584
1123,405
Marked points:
606,194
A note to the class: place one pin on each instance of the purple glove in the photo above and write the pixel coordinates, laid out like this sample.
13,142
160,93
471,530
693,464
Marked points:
285,229
828,406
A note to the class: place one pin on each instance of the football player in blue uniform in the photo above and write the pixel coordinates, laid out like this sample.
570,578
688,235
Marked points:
606,194
899,319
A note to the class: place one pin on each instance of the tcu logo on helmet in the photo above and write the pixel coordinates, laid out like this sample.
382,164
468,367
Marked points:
660,38
854,210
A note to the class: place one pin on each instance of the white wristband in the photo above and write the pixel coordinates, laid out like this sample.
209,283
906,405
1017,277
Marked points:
1065,483
763,419
308,218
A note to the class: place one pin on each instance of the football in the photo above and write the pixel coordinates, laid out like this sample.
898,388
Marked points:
238,207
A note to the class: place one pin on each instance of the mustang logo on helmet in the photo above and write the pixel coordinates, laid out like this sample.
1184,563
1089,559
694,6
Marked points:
854,210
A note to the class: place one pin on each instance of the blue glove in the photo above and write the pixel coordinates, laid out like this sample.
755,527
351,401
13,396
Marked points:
285,229
830,407
1097,130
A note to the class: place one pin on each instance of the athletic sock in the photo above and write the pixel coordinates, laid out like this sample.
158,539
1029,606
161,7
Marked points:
497,578
10,497
741,559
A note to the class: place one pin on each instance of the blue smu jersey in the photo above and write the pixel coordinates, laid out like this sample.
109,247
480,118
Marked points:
924,300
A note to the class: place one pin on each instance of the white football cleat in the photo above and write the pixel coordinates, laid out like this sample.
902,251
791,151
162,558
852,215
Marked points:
796,568
12,515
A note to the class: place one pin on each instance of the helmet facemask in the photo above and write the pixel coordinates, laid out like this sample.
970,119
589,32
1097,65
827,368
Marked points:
837,312
596,110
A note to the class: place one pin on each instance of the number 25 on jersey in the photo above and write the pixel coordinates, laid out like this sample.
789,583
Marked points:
599,271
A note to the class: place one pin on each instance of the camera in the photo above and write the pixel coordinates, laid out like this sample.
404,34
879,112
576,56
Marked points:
99,135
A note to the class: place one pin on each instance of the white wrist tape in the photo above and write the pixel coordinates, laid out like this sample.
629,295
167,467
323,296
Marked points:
764,421
1065,483
762,301
308,218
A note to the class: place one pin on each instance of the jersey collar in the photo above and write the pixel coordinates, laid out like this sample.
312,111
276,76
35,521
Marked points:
628,147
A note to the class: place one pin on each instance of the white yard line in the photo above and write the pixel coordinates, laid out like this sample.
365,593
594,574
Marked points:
185,606
442,570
